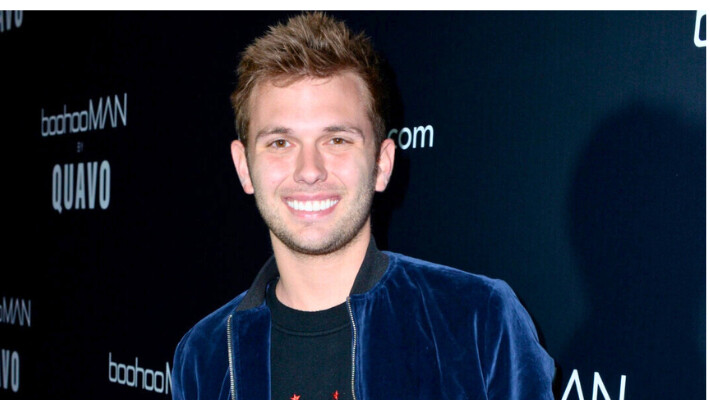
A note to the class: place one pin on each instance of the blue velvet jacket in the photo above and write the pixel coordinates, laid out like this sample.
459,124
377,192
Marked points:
420,331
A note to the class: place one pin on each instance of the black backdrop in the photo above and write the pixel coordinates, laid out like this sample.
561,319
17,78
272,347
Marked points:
563,152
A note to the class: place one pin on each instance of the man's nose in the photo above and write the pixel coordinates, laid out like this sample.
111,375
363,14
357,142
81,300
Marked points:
310,166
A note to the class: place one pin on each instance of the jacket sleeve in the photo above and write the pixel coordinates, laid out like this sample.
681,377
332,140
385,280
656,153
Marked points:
179,369
515,365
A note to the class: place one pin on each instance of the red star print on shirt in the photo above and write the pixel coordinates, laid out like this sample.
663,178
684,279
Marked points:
295,397
335,395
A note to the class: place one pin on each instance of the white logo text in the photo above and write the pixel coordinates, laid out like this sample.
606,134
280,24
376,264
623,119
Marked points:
92,181
597,386
143,378
10,370
93,118
406,138
16,309
7,18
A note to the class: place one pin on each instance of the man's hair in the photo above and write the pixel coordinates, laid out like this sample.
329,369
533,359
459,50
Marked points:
309,45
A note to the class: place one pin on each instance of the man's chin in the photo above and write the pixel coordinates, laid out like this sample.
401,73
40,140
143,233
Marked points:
315,247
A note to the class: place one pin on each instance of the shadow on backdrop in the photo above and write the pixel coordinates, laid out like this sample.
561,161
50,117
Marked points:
637,220
386,202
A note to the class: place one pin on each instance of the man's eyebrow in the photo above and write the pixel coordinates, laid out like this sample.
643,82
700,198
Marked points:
344,128
277,130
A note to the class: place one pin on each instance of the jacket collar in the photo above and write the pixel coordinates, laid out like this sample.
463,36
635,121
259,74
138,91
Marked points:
373,267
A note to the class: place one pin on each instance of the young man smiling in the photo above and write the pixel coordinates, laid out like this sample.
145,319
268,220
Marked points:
330,316
313,163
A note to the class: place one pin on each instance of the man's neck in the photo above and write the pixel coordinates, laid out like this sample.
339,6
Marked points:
314,283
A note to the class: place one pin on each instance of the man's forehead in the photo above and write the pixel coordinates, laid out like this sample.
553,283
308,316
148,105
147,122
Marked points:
263,89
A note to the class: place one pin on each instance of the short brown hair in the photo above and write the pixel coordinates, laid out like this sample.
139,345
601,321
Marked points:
311,45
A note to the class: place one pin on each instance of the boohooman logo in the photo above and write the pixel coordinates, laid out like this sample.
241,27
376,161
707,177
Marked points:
138,377
16,312
598,386
93,118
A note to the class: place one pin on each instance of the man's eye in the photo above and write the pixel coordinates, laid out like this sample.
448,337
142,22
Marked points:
279,143
338,140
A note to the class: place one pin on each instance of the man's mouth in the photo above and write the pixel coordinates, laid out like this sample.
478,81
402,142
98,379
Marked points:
312,205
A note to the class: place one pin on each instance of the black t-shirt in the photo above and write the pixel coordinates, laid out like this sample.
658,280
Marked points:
310,352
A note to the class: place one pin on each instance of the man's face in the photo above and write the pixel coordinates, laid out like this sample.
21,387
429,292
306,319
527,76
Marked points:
312,162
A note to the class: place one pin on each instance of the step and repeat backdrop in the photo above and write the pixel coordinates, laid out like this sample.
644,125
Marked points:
563,152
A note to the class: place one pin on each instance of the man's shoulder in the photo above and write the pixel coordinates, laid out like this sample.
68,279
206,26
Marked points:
459,292
447,279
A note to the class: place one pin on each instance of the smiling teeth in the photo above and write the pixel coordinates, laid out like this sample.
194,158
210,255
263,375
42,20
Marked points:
311,205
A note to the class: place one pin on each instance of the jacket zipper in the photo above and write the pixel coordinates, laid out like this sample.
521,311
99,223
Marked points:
352,360
230,353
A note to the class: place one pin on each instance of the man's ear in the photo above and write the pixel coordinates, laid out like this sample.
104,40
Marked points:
239,156
385,164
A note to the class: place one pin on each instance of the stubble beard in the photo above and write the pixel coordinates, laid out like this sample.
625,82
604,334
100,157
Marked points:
341,235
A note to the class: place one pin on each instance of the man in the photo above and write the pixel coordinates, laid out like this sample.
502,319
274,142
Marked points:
330,316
